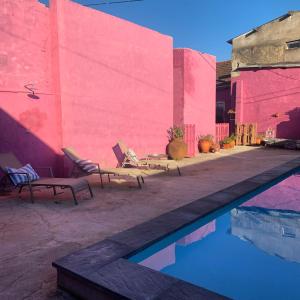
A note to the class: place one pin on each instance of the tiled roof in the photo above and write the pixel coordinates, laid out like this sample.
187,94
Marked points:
224,70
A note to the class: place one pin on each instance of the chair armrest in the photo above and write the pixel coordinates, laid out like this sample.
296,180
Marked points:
49,168
20,173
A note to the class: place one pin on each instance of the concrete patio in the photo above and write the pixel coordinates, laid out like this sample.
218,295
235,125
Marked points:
34,235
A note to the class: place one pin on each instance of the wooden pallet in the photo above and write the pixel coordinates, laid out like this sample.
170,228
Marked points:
246,134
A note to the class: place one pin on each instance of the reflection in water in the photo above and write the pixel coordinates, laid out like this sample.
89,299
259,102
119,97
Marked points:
271,220
160,259
198,234
275,231
250,252
166,256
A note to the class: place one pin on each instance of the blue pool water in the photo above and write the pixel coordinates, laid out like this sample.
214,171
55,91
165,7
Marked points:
251,251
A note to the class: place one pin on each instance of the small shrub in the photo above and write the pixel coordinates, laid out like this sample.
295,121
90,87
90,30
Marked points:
208,138
175,132
227,140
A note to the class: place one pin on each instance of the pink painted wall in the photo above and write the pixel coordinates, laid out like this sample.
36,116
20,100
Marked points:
116,82
98,78
260,94
28,127
195,90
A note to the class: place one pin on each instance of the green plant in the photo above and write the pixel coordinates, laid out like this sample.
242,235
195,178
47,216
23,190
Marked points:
227,140
232,137
175,132
208,138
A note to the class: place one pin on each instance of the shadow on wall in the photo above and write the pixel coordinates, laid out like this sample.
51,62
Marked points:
290,129
28,148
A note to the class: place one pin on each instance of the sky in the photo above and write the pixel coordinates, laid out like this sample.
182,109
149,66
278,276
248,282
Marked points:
203,25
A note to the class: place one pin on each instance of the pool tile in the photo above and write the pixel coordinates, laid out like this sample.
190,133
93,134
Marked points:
146,233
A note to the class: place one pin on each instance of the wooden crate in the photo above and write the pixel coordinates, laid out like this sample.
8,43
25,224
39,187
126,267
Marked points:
246,134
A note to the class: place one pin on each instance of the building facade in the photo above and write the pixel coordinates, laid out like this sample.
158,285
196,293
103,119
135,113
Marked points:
265,81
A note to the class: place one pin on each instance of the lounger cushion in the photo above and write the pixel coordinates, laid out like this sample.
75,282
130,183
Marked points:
132,156
87,165
22,178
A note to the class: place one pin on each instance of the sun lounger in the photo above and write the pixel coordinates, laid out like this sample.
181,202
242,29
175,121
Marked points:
9,160
127,158
83,167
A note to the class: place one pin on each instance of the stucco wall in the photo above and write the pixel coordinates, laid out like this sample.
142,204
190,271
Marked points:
98,79
267,45
195,90
28,127
116,82
262,94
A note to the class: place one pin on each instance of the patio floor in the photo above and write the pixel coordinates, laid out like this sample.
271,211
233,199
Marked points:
34,235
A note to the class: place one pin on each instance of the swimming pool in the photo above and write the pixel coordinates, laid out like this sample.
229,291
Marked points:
248,250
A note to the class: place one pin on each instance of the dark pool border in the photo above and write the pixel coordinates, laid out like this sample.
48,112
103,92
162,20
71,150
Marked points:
102,270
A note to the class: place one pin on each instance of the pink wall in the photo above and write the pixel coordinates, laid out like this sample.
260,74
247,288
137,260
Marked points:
28,127
116,82
260,94
98,79
195,90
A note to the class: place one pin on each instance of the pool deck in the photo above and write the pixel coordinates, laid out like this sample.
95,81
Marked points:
35,235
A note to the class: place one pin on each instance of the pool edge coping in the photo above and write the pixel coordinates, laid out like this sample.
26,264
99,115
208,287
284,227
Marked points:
103,268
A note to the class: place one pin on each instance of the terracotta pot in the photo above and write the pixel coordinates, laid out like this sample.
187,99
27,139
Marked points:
227,146
232,144
177,149
204,146
215,147
258,141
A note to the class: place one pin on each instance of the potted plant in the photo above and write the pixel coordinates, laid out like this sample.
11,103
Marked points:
177,148
232,140
259,138
215,147
227,143
204,143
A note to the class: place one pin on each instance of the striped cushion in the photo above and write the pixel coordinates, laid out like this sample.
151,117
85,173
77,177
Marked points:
20,178
132,156
86,165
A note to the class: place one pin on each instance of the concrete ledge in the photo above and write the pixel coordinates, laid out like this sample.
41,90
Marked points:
102,271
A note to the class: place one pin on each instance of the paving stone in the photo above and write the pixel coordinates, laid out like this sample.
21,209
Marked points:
32,236
185,291
93,257
131,280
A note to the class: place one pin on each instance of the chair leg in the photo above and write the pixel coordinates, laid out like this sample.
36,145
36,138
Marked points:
74,196
31,193
102,186
91,192
21,188
179,173
142,179
108,177
139,183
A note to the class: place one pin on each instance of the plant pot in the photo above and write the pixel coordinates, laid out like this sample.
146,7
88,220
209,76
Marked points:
215,147
204,146
227,146
177,149
258,141
232,144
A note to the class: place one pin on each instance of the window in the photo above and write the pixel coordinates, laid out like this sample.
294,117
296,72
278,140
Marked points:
293,44
220,111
